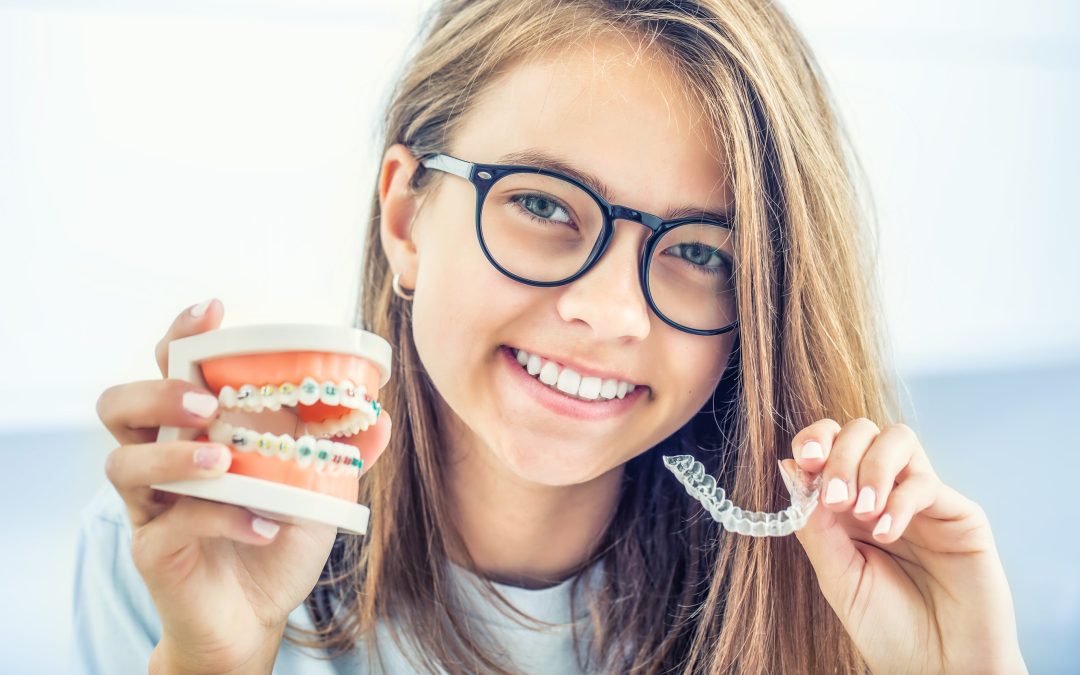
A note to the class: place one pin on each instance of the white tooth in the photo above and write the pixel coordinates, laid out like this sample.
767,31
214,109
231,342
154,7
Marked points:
266,445
622,389
610,389
549,374
251,438
227,397
344,458
269,397
349,399
522,356
286,447
630,388
590,388
533,365
354,459
329,393
309,391
248,398
314,428
358,466
305,450
239,440
324,449
220,432
569,381
288,394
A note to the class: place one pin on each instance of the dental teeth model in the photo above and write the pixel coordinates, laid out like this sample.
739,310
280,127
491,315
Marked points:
702,487
296,410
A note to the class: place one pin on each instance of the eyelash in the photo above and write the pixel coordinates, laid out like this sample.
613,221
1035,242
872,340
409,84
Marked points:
711,271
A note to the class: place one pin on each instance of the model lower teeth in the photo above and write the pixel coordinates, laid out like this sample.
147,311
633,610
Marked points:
569,382
326,455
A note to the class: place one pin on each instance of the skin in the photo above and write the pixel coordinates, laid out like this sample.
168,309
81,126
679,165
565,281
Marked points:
532,490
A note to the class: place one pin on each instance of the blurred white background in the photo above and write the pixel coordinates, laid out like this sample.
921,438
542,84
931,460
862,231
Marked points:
143,144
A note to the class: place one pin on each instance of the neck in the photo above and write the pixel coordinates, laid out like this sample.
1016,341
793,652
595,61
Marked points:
522,533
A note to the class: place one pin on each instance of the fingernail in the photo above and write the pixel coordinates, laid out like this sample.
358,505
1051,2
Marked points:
200,309
198,403
264,528
883,525
836,492
865,503
785,477
209,456
811,450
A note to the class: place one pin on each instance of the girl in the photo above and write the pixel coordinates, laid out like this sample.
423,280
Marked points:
649,193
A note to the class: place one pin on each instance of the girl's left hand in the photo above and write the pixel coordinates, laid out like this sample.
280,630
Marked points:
907,563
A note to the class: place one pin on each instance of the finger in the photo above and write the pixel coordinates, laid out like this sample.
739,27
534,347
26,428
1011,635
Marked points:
372,442
884,464
916,493
157,547
836,562
192,321
810,447
838,478
132,469
132,412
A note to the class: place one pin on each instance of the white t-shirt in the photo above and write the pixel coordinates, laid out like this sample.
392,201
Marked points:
117,625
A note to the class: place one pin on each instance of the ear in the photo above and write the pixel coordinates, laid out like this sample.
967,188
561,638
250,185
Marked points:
397,206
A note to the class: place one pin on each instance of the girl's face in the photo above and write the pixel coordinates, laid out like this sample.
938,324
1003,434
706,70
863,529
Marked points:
624,120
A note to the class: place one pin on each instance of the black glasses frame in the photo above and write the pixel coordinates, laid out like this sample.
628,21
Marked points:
483,176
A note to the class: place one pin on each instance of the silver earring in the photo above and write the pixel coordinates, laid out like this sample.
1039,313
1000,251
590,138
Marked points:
398,290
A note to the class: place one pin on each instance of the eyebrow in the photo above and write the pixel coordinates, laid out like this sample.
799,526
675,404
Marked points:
544,160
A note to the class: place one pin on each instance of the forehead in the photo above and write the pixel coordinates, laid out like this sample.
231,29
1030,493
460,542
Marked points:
610,110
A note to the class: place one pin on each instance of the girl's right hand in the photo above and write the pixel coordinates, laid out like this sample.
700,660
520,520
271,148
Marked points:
223,580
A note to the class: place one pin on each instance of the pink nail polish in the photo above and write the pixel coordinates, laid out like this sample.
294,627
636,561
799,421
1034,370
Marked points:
883,525
811,450
208,456
198,403
264,528
865,503
200,309
836,492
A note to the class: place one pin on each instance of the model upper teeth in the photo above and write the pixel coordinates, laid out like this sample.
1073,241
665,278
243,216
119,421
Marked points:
570,381
326,455
364,410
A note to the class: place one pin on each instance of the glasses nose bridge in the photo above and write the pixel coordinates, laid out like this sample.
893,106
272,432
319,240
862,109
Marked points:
618,212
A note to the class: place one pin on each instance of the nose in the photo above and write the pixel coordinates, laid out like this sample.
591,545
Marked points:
608,296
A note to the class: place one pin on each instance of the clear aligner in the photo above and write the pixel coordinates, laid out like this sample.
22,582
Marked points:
702,487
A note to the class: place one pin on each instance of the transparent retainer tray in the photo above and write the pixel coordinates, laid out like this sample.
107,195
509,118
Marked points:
702,487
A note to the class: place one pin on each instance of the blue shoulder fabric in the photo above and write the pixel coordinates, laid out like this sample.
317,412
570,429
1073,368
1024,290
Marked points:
116,624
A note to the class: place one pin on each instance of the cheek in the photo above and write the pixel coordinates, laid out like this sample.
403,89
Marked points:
697,370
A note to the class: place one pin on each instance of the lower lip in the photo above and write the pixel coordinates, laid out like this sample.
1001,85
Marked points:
562,404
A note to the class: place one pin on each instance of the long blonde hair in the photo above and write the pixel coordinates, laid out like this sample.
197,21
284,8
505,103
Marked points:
678,593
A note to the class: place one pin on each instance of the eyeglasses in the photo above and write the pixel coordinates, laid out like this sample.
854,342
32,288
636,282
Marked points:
544,228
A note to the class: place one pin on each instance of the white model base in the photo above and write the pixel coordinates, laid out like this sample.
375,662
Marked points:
277,501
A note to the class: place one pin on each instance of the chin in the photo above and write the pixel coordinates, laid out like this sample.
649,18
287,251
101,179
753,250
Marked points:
569,466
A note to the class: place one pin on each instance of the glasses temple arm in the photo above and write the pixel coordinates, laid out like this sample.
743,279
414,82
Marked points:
449,164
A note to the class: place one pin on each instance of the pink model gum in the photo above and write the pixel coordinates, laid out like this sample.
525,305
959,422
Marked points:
280,367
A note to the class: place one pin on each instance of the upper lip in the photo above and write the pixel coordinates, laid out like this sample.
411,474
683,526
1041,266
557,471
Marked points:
583,370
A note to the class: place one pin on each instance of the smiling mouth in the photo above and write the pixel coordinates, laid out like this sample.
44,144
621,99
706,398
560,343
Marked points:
568,381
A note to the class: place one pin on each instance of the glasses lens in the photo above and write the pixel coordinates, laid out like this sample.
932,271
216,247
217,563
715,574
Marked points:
538,227
691,276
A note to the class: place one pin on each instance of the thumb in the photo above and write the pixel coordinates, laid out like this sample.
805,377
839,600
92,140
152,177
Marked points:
837,563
